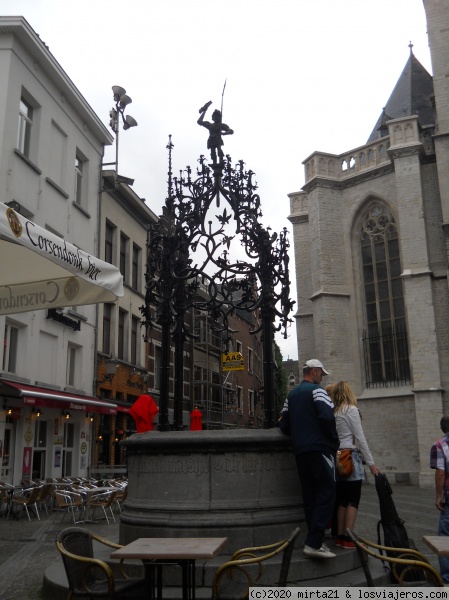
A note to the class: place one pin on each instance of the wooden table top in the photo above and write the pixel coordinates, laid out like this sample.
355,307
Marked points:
437,543
171,548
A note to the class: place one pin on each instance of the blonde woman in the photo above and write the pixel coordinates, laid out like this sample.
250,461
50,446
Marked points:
350,433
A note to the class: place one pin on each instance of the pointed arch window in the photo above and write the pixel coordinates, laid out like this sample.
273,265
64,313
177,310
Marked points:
385,337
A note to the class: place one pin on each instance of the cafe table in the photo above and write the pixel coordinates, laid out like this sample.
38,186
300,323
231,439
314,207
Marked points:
157,552
437,543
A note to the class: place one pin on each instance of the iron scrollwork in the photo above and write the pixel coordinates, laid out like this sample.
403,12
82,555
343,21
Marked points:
190,266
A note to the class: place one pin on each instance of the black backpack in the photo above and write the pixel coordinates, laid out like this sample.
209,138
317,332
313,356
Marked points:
395,534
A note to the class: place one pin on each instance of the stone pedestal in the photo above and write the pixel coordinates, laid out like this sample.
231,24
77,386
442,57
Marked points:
241,484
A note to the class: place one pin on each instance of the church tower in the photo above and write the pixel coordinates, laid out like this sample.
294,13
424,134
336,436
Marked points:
371,238
437,15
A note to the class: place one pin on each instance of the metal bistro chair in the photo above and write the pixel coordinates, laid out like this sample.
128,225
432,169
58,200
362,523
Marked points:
104,500
234,578
408,567
91,577
120,497
44,496
69,502
4,501
26,498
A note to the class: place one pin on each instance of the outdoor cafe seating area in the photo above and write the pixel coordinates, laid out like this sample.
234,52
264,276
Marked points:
83,499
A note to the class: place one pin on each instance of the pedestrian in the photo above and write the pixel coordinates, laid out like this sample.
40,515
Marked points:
308,417
439,460
350,434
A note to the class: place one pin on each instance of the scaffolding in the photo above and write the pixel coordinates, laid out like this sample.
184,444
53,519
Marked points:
214,391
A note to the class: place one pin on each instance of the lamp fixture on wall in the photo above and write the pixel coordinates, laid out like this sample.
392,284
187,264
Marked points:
90,416
37,412
111,369
66,414
140,374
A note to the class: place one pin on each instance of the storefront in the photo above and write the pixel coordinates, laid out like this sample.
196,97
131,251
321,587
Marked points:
46,433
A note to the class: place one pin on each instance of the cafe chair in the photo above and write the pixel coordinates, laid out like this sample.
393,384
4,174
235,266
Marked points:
408,567
120,497
26,498
4,500
233,579
69,502
91,577
44,496
104,500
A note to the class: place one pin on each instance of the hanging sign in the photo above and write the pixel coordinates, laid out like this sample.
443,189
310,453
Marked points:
232,361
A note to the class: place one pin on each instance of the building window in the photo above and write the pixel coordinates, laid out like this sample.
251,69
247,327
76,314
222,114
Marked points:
135,279
109,243
25,124
107,321
134,339
385,338
72,365
251,403
239,408
121,349
79,172
250,360
124,240
10,345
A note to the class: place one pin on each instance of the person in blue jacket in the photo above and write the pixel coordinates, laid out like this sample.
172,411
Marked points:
308,417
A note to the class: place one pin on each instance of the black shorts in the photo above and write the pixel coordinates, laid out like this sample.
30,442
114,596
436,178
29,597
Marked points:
348,493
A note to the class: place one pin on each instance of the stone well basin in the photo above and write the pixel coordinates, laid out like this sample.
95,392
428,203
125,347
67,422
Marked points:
241,484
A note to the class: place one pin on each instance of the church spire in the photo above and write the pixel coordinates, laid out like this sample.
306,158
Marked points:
410,96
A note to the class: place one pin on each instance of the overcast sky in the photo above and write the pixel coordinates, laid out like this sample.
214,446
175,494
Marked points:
301,76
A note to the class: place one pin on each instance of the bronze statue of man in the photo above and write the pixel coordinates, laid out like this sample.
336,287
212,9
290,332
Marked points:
216,130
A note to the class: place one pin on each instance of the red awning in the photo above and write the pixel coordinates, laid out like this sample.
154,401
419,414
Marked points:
40,396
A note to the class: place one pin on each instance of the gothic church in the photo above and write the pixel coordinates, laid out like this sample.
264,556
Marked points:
371,238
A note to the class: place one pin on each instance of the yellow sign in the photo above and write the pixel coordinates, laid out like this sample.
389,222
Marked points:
232,361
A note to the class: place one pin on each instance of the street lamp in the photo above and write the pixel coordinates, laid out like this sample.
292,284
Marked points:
121,102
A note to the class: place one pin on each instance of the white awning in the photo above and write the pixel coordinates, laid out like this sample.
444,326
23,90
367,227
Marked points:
39,270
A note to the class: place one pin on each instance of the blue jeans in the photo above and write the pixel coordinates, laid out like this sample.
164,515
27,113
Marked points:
443,529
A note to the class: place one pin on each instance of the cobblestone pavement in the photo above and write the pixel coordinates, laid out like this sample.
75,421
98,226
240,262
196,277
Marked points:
26,549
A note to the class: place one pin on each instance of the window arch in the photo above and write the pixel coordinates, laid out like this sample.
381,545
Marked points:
385,337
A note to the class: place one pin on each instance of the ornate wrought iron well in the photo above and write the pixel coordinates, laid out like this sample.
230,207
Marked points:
195,226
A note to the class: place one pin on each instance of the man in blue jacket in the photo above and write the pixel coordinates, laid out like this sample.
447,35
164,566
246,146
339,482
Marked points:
308,417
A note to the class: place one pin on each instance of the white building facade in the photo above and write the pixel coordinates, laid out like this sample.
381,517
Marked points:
51,148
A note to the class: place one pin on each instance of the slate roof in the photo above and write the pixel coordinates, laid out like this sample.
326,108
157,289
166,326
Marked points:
411,96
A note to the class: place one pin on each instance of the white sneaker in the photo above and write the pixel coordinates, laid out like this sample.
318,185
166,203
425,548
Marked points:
322,552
